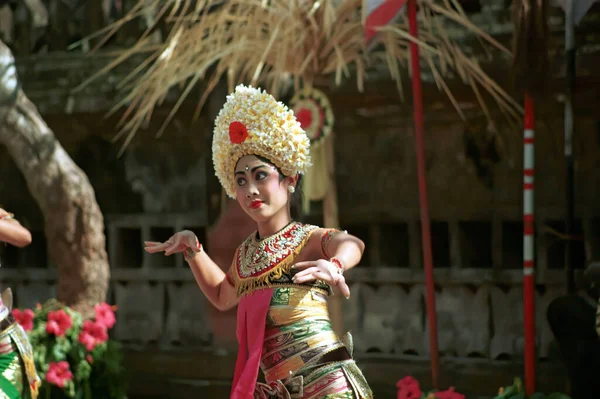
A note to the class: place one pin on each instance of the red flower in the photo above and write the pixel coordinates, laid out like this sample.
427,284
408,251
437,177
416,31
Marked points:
59,373
92,334
58,322
449,394
105,315
24,318
408,388
237,132
304,116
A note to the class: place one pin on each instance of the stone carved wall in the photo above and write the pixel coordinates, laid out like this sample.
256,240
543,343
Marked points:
483,323
169,311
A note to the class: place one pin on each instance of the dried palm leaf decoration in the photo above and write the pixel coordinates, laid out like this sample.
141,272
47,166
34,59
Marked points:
267,42
530,44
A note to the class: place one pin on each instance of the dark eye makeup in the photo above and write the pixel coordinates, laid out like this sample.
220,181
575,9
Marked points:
261,175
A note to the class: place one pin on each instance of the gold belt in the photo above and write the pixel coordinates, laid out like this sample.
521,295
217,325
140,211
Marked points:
305,352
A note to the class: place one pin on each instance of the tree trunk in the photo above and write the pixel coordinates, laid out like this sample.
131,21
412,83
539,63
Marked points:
74,225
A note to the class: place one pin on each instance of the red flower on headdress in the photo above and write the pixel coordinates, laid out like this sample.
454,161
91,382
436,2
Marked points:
237,132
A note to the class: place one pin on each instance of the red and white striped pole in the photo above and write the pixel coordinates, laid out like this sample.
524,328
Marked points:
528,245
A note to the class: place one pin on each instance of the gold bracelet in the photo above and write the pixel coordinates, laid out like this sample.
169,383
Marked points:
189,253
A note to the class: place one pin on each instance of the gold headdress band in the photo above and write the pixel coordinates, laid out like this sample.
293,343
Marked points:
252,122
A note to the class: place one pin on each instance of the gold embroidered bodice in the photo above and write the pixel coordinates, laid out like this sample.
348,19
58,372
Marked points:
261,263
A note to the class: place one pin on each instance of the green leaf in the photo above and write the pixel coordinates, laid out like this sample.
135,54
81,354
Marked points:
58,353
83,370
70,388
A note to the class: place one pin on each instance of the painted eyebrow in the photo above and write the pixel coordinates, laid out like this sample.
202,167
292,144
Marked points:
241,172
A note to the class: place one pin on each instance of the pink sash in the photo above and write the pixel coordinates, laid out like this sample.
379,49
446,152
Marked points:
250,332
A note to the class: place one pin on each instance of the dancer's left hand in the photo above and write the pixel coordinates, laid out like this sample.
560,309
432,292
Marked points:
320,270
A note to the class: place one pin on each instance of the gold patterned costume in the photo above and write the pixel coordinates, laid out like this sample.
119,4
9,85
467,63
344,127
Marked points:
301,356
18,378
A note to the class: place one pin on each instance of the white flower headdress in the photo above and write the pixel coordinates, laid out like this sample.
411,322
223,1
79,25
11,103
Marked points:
253,122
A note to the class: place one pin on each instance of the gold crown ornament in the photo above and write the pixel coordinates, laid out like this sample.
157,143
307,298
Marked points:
253,122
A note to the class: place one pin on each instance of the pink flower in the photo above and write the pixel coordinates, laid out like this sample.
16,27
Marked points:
58,322
408,388
59,373
24,318
92,334
105,315
89,359
449,394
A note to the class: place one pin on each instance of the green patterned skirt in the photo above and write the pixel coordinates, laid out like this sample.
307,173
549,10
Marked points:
11,376
18,378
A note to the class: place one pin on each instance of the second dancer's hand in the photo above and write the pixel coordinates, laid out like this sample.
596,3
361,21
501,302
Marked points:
179,242
320,270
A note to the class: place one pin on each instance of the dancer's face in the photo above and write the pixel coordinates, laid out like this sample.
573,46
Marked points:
260,189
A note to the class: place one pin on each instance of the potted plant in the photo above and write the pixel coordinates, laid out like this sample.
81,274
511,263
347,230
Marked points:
74,357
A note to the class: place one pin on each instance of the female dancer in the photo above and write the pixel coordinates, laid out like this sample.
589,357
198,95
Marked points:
282,274
18,378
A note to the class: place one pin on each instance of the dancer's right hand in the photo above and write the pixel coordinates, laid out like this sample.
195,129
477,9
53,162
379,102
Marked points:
179,242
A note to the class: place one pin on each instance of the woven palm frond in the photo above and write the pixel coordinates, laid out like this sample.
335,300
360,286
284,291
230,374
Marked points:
445,58
270,42
530,45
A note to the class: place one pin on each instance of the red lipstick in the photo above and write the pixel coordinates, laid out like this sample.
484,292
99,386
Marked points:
256,204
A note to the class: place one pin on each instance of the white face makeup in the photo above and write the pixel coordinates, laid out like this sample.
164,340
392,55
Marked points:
259,188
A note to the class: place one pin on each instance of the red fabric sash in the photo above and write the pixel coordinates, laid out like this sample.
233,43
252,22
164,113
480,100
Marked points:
250,332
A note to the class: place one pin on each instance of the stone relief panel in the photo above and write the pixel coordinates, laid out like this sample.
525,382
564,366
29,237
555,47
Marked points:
187,320
412,320
383,312
27,295
385,319
463,322
140,315
167,181
485,322
507,319
353,316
